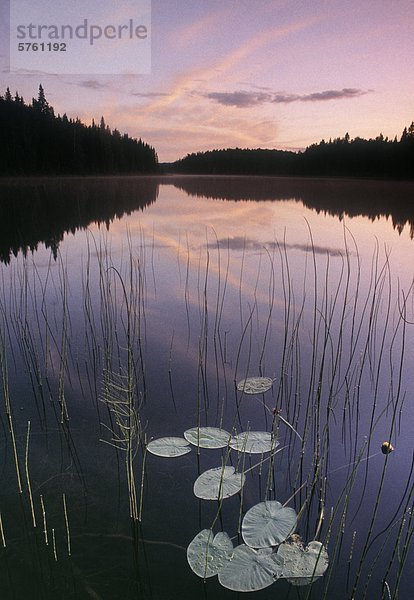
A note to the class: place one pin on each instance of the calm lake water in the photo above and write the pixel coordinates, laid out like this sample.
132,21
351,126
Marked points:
167,292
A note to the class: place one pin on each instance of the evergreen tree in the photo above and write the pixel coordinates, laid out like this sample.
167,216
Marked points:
41,104
34,141
343,157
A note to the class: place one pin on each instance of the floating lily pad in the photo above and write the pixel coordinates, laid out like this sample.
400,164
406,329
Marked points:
218,483
255,385
303,565
207,437
254,442
250,570
208,554
169,447
268,524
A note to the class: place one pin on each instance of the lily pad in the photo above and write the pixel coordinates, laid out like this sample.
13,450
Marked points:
254,442
208,554
207,437
218,483
255,385
268,524
169,447
303,565
250,570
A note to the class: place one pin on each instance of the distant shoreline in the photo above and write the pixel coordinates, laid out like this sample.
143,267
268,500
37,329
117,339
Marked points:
172,175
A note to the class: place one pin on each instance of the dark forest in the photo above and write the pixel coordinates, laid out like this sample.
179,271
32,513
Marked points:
36,142
340,157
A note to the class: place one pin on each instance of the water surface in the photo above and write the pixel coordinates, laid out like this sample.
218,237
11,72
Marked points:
200,282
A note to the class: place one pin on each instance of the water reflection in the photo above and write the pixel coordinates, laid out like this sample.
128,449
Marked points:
245,244
337,197
34,211
201,293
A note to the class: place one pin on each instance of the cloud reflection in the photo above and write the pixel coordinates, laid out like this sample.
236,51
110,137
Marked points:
238,243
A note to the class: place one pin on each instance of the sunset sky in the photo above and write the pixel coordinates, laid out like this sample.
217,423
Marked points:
266,73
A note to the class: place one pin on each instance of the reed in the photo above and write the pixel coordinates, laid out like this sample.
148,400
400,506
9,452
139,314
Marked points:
334,336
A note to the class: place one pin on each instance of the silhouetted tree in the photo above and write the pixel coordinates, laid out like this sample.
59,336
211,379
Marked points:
35,141
342,157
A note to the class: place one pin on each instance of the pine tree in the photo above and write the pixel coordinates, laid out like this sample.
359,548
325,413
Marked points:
36,141
41,104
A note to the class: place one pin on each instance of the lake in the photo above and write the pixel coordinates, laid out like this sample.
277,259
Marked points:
132,309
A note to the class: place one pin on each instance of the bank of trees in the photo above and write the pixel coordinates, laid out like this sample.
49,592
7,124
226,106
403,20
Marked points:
33,140
340,157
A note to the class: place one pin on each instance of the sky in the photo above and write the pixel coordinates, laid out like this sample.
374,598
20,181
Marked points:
236,73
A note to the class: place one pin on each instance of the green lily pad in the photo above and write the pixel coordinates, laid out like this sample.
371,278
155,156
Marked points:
207,437
208,554
254,442
250,570
268,524
303,565
169,447
255,385
218,483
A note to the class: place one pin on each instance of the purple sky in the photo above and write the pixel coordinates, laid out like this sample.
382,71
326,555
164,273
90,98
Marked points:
225,73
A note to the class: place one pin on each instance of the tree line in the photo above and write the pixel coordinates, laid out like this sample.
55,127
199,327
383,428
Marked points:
35,141
340,157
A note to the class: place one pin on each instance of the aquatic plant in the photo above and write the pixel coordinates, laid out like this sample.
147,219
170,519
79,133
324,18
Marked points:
207,554
208,437
218,483
265,556
169,446
335,343
268,524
